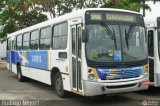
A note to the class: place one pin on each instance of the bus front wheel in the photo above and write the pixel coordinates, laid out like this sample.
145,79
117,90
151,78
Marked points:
58,87
19,74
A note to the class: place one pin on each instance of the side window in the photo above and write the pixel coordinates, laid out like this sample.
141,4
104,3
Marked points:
73,41
19,42
15,40
79,41
159,41
150,43
45,38
34,40
159,34
12,44
158,22
26,38
8,44
60,36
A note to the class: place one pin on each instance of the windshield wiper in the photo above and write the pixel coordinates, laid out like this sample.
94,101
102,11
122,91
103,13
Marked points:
129,34
115,43
126,38
111,34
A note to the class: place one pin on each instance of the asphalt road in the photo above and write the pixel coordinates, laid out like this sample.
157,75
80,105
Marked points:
33,93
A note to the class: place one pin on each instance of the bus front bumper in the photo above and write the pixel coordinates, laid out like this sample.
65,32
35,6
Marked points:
98,88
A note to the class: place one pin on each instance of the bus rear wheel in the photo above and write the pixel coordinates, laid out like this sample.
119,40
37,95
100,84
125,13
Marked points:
58,86
19,74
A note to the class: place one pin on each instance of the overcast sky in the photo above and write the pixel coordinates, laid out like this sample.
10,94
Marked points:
155,9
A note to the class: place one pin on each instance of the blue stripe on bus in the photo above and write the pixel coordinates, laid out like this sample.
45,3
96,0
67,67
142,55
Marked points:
7,57
35,59
120,73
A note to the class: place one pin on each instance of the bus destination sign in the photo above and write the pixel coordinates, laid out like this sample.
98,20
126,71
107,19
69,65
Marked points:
113,16
120,17
96,16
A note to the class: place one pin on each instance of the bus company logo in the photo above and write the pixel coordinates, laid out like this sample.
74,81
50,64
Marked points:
23,57
122,72
112,74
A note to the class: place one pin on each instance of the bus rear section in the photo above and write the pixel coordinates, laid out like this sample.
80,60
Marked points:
153,33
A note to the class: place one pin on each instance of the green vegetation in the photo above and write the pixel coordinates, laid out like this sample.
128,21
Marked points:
18,14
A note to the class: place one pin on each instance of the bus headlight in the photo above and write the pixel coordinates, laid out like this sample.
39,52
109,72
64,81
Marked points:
145,71
92,74
91,77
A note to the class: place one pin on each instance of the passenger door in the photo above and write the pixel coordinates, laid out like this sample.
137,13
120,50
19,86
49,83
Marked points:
76,41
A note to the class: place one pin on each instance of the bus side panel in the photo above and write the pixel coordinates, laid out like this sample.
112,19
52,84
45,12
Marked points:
34,59
61,64
34,64
13,59
38,63
37,74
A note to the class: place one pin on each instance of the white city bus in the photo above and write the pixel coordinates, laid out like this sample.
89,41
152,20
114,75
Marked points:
88,52
153,30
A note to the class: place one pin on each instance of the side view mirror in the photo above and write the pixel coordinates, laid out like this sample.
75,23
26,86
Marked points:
84,35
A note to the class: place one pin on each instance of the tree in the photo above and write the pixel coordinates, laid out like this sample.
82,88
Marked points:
19,14
2,4
47,6
56,7
134,5
60,7
92,3
145,6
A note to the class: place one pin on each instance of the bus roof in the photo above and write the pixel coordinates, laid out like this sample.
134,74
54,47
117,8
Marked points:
72,15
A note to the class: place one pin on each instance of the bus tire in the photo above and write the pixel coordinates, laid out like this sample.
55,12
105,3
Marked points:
19,74
58,86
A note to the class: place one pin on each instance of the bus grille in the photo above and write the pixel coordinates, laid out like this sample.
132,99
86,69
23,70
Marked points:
123,74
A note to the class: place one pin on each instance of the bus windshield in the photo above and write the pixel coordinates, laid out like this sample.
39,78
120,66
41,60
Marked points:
116,43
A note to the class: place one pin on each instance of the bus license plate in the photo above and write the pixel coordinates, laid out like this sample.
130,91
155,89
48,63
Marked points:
146,82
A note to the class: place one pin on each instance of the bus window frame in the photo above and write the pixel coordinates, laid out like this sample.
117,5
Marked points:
54,36
158,35
19,42
51,27
7,44
25,41
36,39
